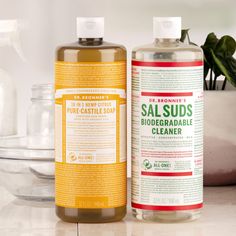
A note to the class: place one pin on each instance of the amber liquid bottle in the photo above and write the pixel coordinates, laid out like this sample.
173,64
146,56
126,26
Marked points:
90,127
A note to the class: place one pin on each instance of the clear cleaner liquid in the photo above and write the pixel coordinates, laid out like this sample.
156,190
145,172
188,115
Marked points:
156,152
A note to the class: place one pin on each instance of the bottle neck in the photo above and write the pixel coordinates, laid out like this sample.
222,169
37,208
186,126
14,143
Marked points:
166,42
42,92
90,41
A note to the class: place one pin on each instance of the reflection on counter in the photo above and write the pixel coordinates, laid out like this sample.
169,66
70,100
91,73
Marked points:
32,218
21,217
218,217
109,229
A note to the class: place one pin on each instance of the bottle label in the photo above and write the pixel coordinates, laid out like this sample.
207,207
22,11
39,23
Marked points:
90,130
167,135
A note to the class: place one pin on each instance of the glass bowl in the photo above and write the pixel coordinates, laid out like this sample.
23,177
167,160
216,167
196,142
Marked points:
26,173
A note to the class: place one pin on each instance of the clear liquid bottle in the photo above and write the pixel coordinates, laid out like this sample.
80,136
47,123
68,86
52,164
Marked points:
167,126
90,130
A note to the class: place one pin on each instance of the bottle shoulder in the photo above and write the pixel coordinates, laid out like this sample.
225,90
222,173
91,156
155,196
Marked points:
77,46
105,52
173,52
172,47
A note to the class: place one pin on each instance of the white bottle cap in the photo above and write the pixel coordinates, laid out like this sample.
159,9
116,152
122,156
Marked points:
90,27
167,27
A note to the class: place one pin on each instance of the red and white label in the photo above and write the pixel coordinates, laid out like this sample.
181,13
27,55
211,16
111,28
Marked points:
167,135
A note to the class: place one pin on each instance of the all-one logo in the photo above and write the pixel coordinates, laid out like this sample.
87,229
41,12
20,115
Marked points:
146,164
72,156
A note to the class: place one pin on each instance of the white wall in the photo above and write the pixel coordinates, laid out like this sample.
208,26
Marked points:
52,22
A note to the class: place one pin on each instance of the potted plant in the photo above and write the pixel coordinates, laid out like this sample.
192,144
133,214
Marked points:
219,109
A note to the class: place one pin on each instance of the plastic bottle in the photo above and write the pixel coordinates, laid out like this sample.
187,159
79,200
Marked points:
90,129
167,126
9,37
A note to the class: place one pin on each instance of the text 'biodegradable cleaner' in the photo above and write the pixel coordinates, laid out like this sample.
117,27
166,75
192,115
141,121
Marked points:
167,126
90,127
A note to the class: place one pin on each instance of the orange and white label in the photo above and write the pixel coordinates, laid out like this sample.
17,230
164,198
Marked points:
90,150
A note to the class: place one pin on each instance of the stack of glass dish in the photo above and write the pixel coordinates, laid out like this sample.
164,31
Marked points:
27,163
26,173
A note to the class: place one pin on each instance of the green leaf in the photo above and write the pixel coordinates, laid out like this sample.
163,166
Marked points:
226,45
194,44
184,35
218,57
227,66
230,64
211,41
210,44
206,67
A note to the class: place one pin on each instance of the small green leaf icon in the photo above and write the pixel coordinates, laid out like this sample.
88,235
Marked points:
146,164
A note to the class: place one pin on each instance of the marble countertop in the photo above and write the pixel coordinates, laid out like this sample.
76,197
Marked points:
26,218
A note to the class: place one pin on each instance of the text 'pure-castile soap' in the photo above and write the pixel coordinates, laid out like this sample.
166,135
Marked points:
167,126
90,127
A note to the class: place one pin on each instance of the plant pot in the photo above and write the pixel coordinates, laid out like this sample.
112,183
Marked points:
220,138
